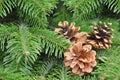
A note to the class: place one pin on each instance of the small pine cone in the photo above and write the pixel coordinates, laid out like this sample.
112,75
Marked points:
80,58
101,36
67,31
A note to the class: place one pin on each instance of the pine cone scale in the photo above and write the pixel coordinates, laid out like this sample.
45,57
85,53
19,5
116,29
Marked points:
69,55
73,63
80,64
75,69
87,68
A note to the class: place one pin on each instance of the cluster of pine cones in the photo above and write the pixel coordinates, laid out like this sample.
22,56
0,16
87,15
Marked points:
80,57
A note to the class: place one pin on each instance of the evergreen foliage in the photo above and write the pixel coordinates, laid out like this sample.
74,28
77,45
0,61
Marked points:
83,9
44,67
23,46
34,52
14,76
6,7
61,13
60,72
5,33
22,49
50,41
110,68
113,5
35,11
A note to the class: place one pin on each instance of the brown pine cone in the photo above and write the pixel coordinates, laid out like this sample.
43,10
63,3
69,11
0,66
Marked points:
67,31
101,36
80,37
80,58
63,27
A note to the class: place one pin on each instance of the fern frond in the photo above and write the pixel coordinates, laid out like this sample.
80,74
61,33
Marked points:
51,42
83,9
113,5
35,11
6,7
22,50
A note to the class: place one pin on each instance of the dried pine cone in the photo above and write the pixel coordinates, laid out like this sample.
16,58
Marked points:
63,27
81,59
67,31
101,36
80,37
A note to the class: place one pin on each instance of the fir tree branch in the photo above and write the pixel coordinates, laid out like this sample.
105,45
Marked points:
35,11
84,9
113,5
6,7
51,42
22,50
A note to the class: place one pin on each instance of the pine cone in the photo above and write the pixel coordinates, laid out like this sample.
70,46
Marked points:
63,27
67,31
80,37
81,59
101,36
